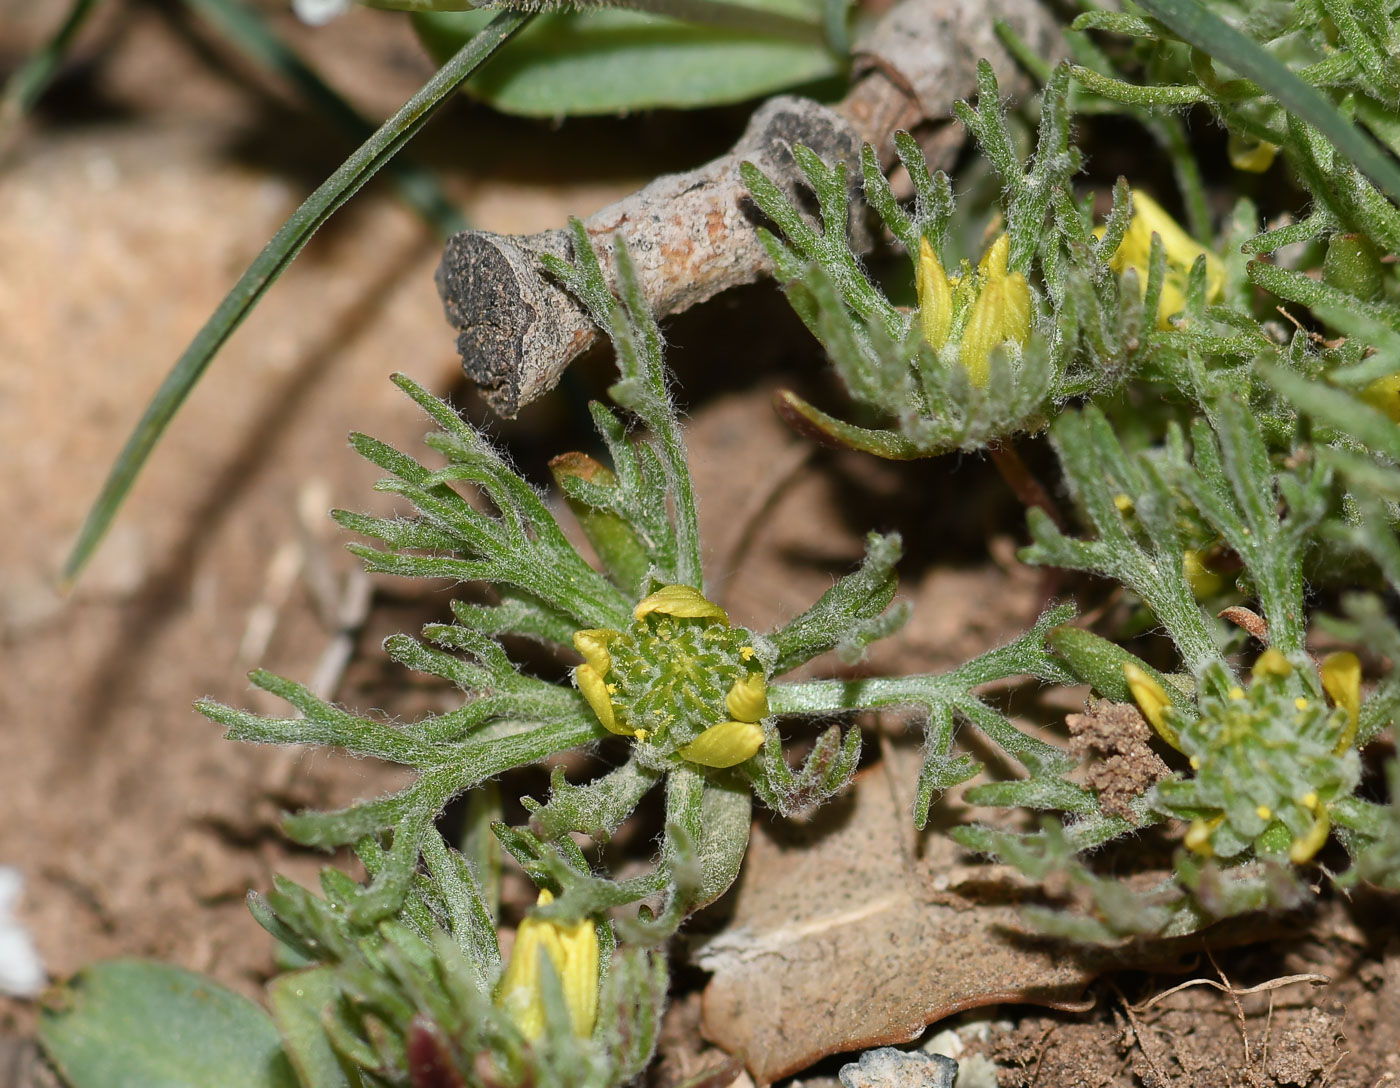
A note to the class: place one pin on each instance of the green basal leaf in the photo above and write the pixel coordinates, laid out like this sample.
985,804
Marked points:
607,62
141,1024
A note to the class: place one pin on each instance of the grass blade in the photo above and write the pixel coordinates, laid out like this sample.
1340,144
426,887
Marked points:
246,28
32,78
268,266
1208,32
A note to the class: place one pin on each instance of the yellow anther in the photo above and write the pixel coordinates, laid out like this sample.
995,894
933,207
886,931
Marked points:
935,297
685,602
1236,693
1301,703
724,745
1309,800
1123,502
572,950
747,652
1195,762
1264,812
1341,679
1152,701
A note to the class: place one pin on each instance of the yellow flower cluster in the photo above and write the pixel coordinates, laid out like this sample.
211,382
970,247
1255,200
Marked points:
723,744
572,951
1000,306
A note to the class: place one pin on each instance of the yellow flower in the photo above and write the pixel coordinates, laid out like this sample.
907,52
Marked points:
1135,252
672,664
1254,158
1341,679
1152,700
572,951
1271,663
1000,311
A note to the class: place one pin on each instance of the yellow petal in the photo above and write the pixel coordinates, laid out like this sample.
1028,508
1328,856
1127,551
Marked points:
1135,252
1384,393
593,645
1254,158
595,690
748,698
1152,701
993,263
1341,679
935,297
1198,837
724,745
1303,849
983,332
1203,581
572,950
1271,663
1016,313
684,601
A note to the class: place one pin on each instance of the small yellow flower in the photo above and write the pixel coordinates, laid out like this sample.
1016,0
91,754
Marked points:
572,951
1135,252
1000,311
1152,700
1341,679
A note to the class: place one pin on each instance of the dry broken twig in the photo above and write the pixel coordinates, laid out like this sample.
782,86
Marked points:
693,235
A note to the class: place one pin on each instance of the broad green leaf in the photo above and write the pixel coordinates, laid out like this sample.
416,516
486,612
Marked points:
297,999
143,1024
603,62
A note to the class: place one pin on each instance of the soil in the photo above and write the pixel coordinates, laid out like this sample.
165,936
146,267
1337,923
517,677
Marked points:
126,212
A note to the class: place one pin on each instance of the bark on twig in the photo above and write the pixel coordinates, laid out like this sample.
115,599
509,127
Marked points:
693,235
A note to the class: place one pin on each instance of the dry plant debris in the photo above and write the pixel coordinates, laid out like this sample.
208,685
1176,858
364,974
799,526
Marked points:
877,946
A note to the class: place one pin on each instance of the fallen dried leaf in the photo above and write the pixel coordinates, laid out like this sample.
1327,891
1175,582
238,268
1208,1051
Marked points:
842,940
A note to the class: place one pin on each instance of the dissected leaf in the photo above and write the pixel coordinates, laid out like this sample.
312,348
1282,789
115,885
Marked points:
841,940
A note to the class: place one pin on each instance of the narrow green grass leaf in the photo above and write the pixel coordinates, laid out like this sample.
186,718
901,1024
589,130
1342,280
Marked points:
29,81
247,29
1211,34
268,266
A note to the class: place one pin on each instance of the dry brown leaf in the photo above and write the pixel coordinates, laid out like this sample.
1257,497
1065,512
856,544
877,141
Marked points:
854,931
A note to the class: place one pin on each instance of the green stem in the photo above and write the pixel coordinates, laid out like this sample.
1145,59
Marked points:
28,83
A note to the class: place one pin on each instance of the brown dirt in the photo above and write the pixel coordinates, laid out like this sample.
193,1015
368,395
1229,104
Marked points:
126,211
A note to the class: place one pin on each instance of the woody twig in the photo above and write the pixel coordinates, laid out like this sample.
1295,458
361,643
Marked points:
692,235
